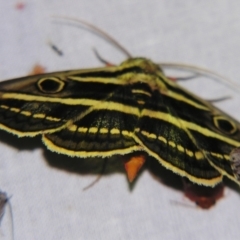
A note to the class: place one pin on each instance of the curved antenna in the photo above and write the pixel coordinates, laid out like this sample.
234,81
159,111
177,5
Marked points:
202,72
198,70
100,32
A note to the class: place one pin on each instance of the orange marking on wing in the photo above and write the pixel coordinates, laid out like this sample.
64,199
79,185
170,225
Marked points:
133,165
20,5
109,64
37,69
173,79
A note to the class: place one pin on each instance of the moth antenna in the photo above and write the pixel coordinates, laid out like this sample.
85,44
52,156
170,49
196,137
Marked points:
93,182
184,78
202,72
195,76
99,32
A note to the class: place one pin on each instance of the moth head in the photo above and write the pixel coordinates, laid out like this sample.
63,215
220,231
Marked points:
142,63
50,85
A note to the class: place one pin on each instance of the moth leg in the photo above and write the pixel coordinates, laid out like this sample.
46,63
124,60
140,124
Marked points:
99,176
175,79
218,99
101,59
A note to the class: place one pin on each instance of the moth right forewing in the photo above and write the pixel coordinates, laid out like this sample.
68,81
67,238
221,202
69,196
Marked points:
103,130
46,103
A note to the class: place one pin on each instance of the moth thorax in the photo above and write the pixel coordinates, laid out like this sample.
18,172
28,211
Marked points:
146,65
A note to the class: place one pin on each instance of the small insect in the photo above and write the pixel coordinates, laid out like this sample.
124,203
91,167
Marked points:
133,110
55,48
4,201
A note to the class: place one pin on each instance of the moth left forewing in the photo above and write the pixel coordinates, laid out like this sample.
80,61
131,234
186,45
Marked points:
213,132
187,134
216,134
163,131
222,137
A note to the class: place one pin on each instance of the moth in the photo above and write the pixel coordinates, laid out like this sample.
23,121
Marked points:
133,110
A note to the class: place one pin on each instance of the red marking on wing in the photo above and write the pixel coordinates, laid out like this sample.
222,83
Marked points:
204,197
20,6
133,164
37,69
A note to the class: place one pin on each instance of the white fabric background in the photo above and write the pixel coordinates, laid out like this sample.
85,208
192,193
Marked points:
48,201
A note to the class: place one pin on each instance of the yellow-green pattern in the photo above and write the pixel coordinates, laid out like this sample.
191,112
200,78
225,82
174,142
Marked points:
121,109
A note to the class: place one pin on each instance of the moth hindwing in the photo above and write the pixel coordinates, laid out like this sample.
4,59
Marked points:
121,110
